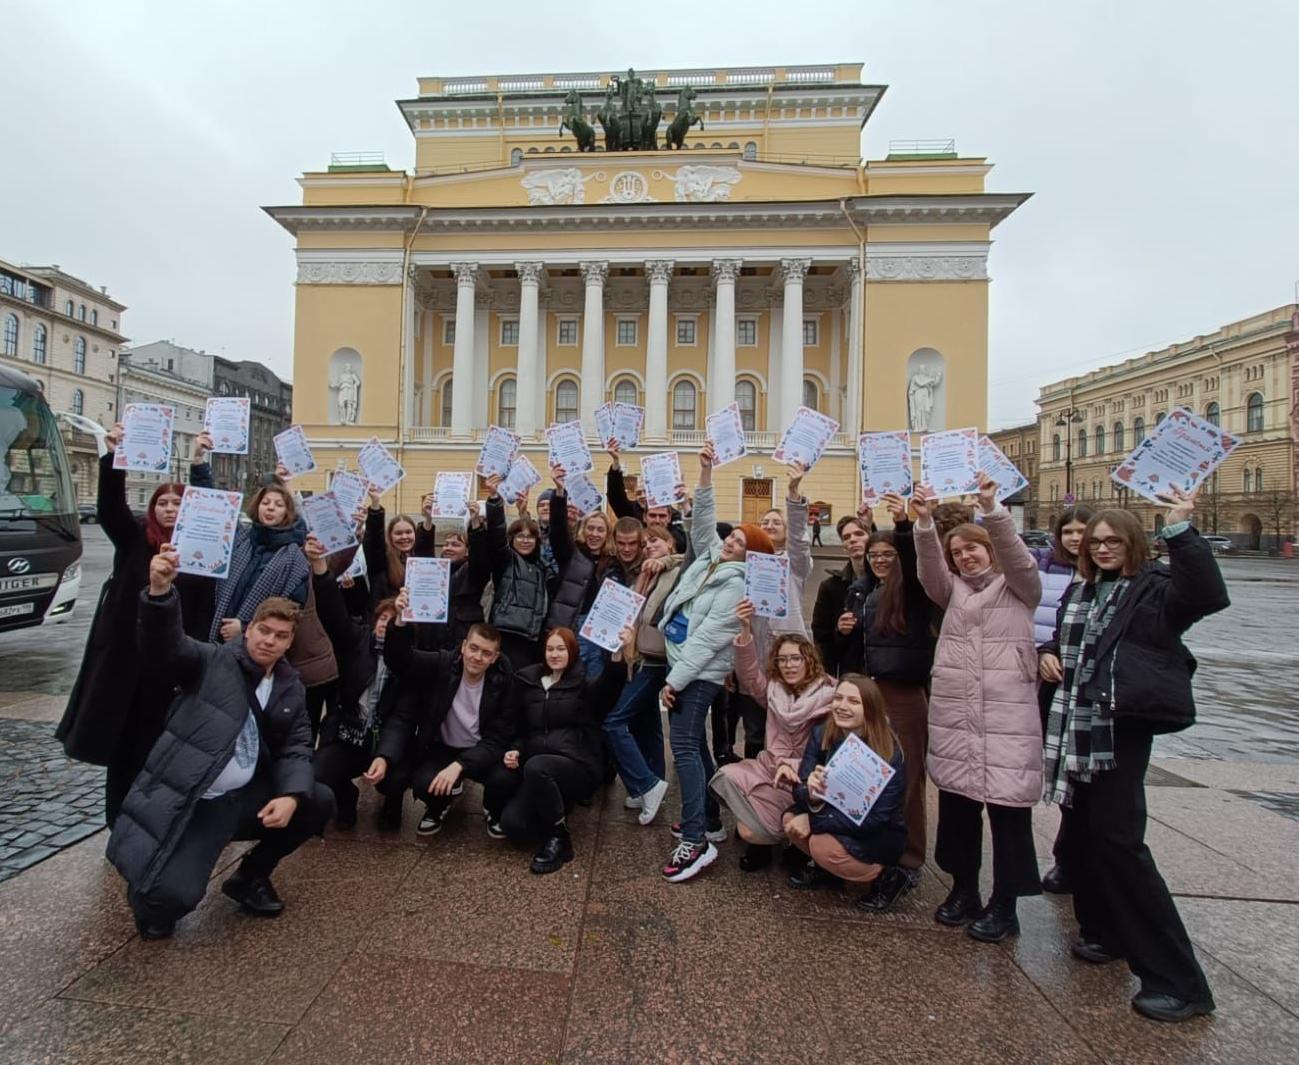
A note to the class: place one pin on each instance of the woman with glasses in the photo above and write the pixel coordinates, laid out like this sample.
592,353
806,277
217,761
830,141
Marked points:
1123,676
794,692
985,732
519,597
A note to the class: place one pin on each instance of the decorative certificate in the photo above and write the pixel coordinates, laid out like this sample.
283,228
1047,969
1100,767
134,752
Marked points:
726,431
949,461
451,493
660,476
993,462
628,420
1181,451
356,569
349,490
568,448
499,448
204,534
226,421
806,438
328,522
428,581
855,777
583,494
766,584
378,466
292,449
885,463
615,608
146,438
521,478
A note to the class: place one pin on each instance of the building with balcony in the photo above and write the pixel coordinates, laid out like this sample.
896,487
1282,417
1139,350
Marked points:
513,279
270,409
1019,444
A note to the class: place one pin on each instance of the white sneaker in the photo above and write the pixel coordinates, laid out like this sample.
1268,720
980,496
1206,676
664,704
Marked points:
633,802
651,801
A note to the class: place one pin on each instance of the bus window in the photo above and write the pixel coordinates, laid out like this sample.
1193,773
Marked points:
34,478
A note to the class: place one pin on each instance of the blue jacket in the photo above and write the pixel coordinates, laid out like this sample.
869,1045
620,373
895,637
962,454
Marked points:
1056,578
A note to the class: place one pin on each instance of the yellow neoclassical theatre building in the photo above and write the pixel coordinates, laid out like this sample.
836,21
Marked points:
514,279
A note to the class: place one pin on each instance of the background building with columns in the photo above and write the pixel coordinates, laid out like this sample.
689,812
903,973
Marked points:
512,280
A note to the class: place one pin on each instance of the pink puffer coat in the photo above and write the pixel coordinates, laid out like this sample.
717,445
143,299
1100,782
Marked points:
985,731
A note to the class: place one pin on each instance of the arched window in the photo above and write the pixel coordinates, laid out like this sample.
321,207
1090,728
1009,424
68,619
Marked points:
1100,440
1118,436
750,150
81,312
78,401
94,317
1055,447
506,402
1248,481
624,391
1138,430
516,156
811,394
746,398
1160,417
39,350
10,335
684,404
446,402
1258,479
566,400
1213,414
1254,413
79,355
1082,443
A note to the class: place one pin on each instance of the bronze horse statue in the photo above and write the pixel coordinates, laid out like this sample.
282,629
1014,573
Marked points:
609,117
583,131
685,118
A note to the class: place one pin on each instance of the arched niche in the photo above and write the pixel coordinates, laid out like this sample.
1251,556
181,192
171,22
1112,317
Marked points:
346,382
926,395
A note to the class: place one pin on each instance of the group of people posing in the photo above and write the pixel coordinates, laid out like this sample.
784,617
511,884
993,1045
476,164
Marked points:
253,707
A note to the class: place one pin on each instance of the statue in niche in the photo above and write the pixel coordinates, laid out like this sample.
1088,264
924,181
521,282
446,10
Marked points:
920,396
348,383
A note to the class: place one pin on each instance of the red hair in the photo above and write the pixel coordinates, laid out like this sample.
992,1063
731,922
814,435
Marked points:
153,529
570,642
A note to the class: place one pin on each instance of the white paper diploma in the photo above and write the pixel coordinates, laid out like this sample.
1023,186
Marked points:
568,448
1181,451
356,569
499,448
993,462
451,493
615,608
292,449
204,534
328,522
949,461
628,419
766,584
726,431
806,438
583,494
378,466
855,778
660,476
885,463
428,581
146,438
226,420
349,490
522,477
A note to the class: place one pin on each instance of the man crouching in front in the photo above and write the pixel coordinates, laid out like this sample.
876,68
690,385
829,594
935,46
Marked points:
233,762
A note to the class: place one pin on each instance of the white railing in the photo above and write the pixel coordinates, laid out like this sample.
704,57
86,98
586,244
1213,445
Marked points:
692,77
465,85
813,74
934,146
749,77
579,81
520,84
356,159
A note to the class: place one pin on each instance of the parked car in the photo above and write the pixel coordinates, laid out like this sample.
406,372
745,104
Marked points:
88,513
1221,545
1036,538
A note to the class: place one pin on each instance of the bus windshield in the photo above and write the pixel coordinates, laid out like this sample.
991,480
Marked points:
34,477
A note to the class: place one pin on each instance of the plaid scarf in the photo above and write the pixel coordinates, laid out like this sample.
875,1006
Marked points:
1079,737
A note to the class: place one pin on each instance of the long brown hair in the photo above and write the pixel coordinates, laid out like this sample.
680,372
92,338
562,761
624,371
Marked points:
394,559
1080,513
815,670
970,533
891,602
875,731
1128,526
290,508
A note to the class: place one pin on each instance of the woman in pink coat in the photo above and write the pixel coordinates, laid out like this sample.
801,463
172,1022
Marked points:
794,693
985,731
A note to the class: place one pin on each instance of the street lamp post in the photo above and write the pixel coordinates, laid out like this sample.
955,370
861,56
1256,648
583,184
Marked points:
1068,418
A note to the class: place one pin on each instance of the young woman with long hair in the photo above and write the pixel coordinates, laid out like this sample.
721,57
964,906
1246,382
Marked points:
520,597
585,556
387,543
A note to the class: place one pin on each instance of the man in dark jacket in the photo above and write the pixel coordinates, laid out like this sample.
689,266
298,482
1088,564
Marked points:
459,724
833,618
615,490
234,762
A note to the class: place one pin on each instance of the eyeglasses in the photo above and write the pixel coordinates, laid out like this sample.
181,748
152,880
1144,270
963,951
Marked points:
884,556
1110,543
789,660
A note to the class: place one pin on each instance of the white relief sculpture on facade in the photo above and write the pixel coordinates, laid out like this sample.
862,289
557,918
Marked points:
704,184
927,268
628,187
345,383
349,273
550,188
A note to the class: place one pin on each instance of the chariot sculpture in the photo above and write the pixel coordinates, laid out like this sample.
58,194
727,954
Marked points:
629,116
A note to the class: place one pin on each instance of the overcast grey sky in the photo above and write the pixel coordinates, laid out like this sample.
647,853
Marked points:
138,141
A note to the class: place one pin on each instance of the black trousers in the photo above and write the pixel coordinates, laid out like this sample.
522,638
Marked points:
729,709
338,764
182,882
958,848
320,698
1119,897
436,758
540,793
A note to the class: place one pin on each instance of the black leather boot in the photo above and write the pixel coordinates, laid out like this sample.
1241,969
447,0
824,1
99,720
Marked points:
995,923
811,876
557,850
1056,881
255,894
756,856
961,906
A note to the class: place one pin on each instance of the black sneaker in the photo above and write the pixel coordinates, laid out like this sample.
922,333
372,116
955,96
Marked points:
888,887
390,814
1169,1008
458,789
152,930
811,876
689,859
959,908
432,821
494,828
254,894
553,853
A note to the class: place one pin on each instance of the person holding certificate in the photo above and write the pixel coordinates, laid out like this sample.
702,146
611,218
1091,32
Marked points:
985,733
838,848
615,491
471,571
387,546
520,597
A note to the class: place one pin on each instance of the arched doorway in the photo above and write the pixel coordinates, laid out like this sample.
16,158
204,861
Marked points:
1252,526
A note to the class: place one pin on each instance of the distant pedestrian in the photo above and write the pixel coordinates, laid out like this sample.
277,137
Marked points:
816,527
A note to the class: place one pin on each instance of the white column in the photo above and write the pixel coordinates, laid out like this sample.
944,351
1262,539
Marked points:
525,419
594,274
791,342
462,358
835,395
853,421
721,387
543,359
659,272
426,410
710,371
482,359
773,362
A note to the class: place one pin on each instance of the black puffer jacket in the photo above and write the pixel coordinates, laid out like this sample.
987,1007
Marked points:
580,575
566,719
520,600
218,685
905,657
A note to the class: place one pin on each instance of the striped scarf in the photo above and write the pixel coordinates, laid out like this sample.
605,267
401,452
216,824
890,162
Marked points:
284,572
1079,738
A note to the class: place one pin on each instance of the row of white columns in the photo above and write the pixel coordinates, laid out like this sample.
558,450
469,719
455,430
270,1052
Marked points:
785,368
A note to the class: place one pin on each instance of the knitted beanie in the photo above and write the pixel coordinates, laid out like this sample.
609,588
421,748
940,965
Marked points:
756,540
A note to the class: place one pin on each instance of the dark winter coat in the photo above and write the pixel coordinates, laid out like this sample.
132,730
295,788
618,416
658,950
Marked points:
520,602
566,719
1142,666
580,575
615,490
113,693
905,657
881,838
831,601
375,545
433,678
469,577
217,683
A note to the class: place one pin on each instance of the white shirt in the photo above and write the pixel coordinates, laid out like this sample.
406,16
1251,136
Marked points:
241,767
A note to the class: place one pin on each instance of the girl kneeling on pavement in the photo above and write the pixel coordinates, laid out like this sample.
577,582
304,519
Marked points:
794,692
838,848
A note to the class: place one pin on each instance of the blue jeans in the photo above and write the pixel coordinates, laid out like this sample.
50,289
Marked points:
634,730
593,656
687,720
